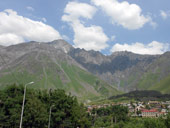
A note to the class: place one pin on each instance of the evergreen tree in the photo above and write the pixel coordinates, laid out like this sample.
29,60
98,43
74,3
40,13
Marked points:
66,112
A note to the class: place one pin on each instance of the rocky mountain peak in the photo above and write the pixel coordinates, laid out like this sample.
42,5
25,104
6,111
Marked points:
61,44
131,56
124,69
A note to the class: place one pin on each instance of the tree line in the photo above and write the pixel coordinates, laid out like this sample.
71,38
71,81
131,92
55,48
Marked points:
118,117
66,112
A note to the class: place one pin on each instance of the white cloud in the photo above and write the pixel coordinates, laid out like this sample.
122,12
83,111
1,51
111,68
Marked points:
30,8
89,38
123,13
152,23
10,39
164,14
152,48
74,10
16,29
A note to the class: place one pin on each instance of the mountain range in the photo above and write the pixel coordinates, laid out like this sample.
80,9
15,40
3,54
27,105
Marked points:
89,75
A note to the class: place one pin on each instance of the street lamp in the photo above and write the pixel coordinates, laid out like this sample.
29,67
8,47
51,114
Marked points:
24,102
50,116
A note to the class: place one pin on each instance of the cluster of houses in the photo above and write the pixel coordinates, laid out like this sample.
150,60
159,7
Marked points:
149,109
141,109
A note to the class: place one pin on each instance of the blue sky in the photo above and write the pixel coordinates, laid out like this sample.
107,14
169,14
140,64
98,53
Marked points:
102,25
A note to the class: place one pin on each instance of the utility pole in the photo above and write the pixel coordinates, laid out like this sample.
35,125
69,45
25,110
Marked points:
50,116
23,103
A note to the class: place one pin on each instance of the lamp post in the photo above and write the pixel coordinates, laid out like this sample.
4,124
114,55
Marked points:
24,102
50,116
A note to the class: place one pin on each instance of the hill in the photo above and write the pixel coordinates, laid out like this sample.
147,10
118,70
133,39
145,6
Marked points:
143,95
50,67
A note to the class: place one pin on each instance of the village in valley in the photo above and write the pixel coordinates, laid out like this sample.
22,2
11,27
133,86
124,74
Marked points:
152,109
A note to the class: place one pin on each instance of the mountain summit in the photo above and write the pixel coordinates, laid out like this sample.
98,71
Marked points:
86,74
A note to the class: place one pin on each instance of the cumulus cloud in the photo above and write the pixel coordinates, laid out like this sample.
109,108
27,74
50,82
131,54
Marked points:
74,10
89,38
16,29
10,39
151,48
122,13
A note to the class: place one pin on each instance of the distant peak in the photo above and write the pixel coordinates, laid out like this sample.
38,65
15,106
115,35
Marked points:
122,53
61,44
58,40
2,46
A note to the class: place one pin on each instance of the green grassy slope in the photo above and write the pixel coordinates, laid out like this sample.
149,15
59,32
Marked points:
148,79
163,86
85,83
47,74
157,75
